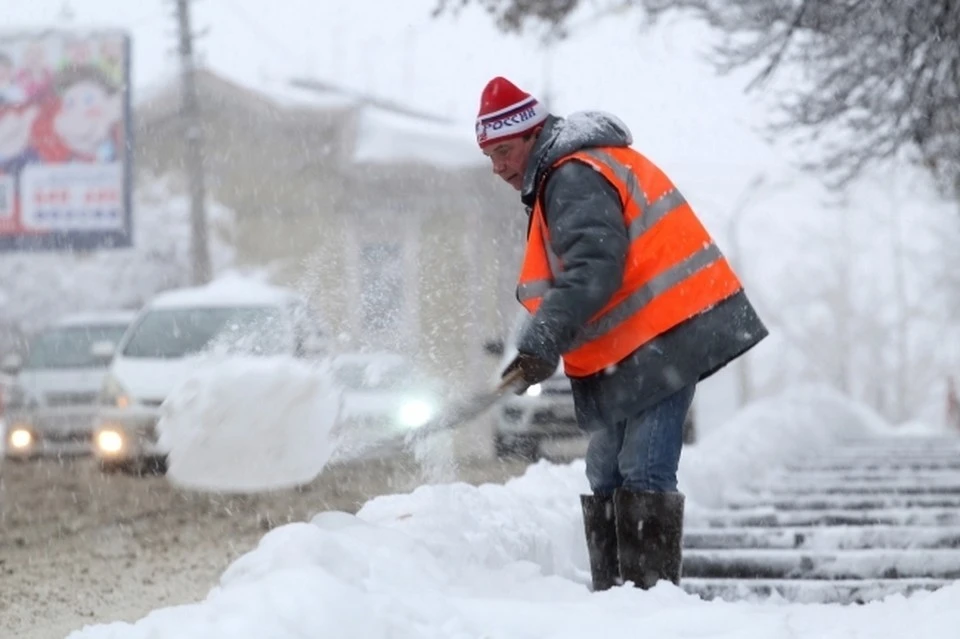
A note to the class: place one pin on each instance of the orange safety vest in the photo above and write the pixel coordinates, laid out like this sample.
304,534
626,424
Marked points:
673,269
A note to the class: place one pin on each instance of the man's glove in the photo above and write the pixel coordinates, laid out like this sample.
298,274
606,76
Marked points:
533,370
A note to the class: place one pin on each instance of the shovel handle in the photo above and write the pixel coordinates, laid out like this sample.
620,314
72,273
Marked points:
473,407
509,380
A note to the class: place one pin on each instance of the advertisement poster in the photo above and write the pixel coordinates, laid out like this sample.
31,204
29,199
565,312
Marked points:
65,179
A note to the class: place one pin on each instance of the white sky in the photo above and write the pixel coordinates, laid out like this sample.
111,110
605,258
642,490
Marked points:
652,80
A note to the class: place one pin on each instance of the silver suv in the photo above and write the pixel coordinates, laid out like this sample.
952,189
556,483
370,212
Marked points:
544,412
51,403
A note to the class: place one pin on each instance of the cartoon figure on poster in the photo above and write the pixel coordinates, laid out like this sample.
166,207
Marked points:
16,120
16,125
80,123
17,116
62,134
35,77
10,91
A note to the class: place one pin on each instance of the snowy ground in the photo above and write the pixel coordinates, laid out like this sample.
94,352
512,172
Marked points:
494,561
79,547
456,560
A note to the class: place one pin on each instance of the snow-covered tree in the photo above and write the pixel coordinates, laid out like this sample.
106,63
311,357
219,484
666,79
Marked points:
867,303
865,80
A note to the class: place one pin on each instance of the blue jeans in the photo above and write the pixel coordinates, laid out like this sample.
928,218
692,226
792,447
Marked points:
641,453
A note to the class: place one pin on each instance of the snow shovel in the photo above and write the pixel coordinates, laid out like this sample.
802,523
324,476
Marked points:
458,413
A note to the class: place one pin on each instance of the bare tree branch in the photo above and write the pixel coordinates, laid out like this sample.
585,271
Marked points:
878,78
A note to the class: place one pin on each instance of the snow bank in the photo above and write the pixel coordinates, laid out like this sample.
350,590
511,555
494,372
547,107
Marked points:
493,561
509,561
765,435
917,428
241,424
535,518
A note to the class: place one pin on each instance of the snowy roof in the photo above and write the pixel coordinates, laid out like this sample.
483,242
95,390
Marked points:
387,132
97,318
358,98
387,137
292,95
230,291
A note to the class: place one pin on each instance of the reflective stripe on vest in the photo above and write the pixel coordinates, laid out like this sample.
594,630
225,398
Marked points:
670,275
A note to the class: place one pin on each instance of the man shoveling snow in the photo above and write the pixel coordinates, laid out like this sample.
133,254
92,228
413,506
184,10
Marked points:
623,283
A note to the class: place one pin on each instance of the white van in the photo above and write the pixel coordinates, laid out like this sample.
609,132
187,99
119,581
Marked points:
162,346
51,404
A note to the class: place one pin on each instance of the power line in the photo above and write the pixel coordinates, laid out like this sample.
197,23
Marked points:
258,30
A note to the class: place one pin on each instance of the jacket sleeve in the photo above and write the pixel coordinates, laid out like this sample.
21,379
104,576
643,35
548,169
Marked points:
588,234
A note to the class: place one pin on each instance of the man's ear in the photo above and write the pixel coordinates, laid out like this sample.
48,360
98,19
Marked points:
534,134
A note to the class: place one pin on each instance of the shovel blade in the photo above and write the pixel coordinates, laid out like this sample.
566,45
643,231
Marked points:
458,413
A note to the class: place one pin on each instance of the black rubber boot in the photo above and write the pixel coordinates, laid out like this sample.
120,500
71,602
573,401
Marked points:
600,526
649,536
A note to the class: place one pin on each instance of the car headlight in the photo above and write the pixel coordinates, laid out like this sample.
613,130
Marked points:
110,441
534,391
20,438
415,413
113,393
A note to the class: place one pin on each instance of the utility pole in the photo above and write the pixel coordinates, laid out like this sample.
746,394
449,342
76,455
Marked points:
193,149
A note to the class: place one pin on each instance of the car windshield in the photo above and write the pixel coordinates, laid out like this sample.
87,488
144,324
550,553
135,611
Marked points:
69,347
170,333
373,375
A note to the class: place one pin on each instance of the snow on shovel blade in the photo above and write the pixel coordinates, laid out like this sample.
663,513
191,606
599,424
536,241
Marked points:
249,424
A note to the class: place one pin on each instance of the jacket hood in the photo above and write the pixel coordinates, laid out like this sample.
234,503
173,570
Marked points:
562,136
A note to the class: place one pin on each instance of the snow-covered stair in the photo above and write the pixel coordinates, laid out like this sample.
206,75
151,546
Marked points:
874,518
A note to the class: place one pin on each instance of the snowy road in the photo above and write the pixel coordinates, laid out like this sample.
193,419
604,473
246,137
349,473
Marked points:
80,547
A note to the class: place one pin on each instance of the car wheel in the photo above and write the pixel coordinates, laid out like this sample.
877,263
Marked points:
112,467
525,447
155,466
140,467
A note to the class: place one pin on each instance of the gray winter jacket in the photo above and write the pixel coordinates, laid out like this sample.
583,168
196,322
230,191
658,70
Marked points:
587,232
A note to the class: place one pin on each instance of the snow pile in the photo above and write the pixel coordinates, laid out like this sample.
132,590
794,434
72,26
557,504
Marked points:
767,434
249,423
917,428
508,561
535,518
493,561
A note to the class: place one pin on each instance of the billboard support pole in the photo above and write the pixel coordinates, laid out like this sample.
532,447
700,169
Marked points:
193,144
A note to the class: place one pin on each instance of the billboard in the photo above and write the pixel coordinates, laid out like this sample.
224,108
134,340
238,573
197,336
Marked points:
65,143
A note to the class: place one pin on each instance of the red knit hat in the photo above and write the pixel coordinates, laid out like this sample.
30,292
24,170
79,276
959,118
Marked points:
506,112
